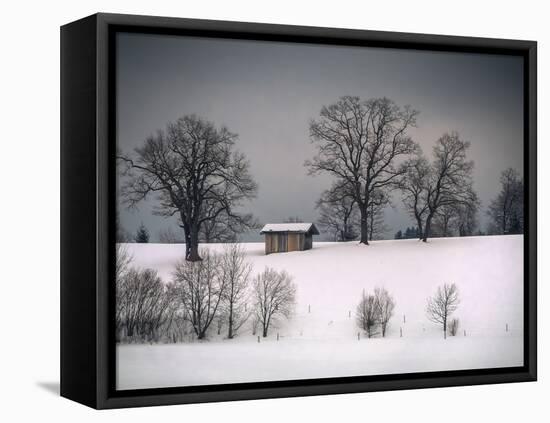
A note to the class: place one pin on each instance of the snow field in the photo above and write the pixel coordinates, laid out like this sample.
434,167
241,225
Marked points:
321,338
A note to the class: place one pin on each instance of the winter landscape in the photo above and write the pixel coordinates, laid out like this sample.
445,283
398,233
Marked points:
271,226
321,339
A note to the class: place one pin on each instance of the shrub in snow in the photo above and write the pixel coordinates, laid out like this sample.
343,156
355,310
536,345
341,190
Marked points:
453,326
375,311
367,314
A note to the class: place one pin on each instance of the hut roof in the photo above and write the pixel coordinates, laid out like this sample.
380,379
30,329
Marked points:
290,227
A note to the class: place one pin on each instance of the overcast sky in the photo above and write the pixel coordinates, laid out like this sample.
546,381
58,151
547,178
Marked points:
267,92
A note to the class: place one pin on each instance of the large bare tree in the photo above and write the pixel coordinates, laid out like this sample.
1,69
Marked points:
195,172
200,288
442,305
275,295
506,210
445,183
360,142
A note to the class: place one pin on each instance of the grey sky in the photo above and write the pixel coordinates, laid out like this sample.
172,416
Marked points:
267,92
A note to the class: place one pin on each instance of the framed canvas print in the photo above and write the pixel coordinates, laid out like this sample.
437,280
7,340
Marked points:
256,211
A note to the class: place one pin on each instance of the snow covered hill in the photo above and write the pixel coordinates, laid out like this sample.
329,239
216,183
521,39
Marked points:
321,340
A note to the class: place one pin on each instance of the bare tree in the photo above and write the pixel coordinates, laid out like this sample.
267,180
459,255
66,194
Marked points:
338,212
446,182
236,273
378,203
442,305
142,304
193,169
506,210
275,295
414,185
200,289
445,221
367,314
360,142
122,266
386,305
123,260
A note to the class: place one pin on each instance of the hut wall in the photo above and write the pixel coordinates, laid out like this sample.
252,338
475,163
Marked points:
308,242
295,242
281,242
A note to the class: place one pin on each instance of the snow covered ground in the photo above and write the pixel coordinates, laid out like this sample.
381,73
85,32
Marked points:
321,339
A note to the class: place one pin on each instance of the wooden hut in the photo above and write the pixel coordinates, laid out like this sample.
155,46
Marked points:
284,237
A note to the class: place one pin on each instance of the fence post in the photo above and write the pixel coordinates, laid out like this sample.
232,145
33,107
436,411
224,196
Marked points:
309,308
258,339
506,327
358,336
277,336
401,332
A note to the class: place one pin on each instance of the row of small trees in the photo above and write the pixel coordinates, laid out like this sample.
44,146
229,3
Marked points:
375,310
217,292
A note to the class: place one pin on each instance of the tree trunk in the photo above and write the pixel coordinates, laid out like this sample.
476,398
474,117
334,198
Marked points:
420,228
364,226
230,322
428,228
193,248
264,332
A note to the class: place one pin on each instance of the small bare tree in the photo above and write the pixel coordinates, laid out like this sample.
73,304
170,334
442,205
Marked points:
368,314
506,210
200,288
386,305
122,266
275,295
338,213
442,305
236,273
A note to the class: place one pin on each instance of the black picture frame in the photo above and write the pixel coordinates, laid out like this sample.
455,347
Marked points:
88,215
